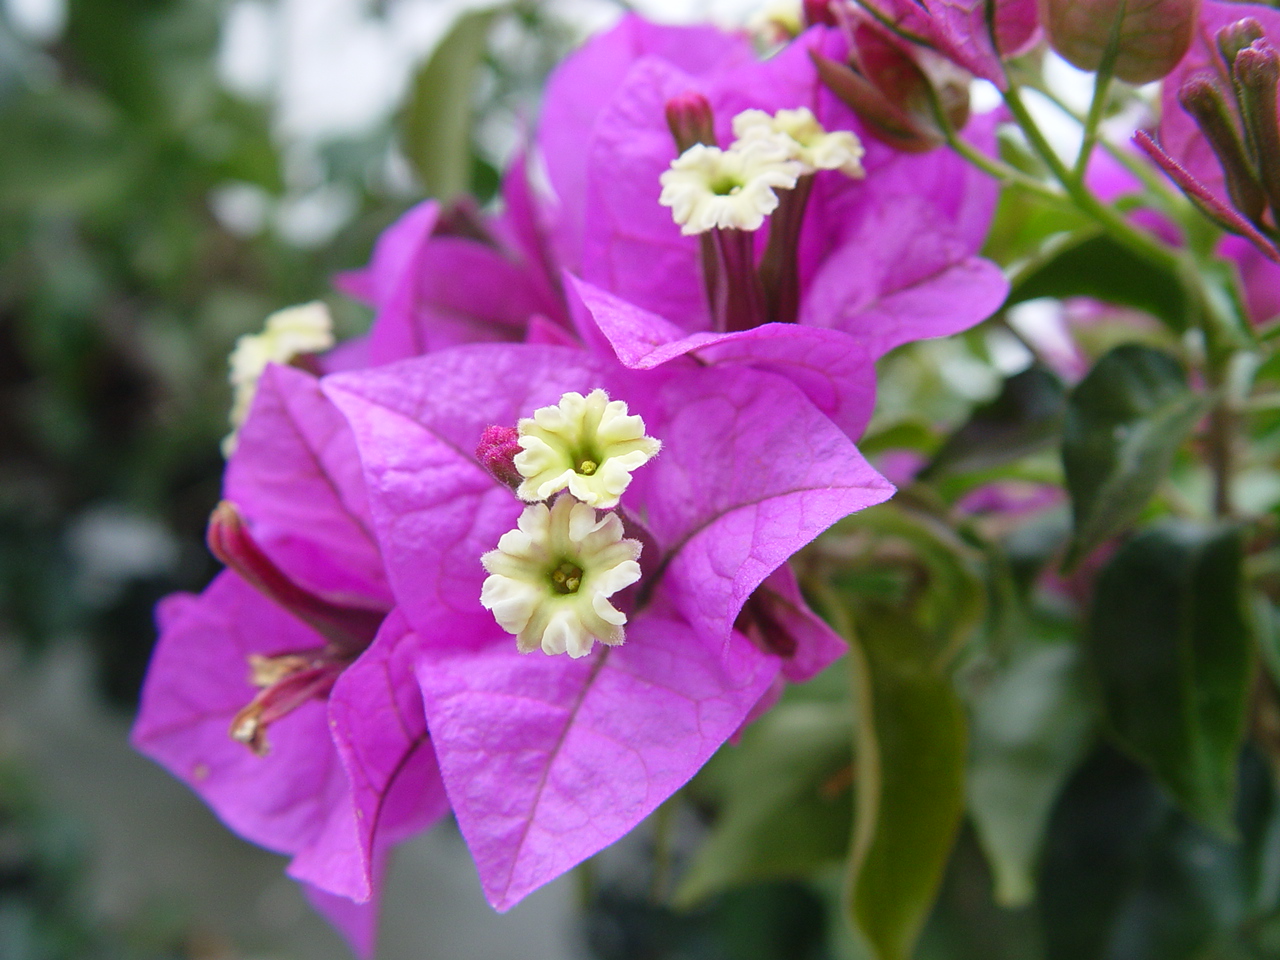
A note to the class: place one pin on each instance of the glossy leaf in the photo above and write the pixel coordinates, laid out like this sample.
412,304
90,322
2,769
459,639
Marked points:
909,786
1170,640
787,801
1025,416
436,124
1099,267
1124,423
1031,726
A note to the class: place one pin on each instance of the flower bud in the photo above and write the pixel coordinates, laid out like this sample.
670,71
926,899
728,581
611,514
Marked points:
819,12
1153,35
229,539
1234,37
497,454
1201,97
691,121
1257,70
892,92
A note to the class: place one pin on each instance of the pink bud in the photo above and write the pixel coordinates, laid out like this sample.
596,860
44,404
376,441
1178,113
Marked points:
1153,34
229,539
497,454
888,87
691,121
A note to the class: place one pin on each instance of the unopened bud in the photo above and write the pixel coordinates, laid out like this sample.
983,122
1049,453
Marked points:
229,539
819,12
1152,36
691,121
1201,97
1234,37
1257,69
892,93
497,454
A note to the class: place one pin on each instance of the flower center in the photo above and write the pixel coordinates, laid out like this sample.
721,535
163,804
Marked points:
566,578
551,578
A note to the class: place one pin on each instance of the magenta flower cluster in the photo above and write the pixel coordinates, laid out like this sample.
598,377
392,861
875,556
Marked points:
340,686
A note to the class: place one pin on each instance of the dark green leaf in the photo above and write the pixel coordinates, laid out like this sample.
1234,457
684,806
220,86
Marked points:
436,125
1170,640
1031,727
786,801
909,784
1099,267
1124,423
1025,416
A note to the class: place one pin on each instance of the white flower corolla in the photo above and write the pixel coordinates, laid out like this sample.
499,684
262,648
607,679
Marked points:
288,333
587,445
778,22
551,578
707,187
804,139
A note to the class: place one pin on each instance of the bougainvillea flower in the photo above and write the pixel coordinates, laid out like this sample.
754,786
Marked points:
438,278
885,259
284,694
547,759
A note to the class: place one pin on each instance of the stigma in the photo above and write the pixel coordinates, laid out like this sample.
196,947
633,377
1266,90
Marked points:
288,334
551,578
587,445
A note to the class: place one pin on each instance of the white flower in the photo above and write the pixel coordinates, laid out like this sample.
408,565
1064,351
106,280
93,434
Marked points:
707,187
588,445
804,139
551,578
307,328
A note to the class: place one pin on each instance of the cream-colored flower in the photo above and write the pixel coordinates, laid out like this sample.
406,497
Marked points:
551,578
707,187
587,445
288,333
804,139
778,22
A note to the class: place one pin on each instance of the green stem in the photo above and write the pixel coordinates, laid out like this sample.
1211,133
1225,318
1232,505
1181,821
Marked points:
1140,242
1101,86
663,827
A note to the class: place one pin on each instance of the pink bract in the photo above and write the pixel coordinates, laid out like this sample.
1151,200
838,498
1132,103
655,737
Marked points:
547,759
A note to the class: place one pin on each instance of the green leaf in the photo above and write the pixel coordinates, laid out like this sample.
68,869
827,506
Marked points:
1124,423
1031,727
1170,640
954,601
786,801
1099,267
910,747
436,124
1025,416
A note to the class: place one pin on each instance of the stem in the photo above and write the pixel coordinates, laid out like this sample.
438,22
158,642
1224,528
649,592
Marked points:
1141,243
663,826
779,267
1101,86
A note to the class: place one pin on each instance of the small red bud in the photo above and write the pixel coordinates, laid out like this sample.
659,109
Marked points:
497,453
691,121
1153,34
